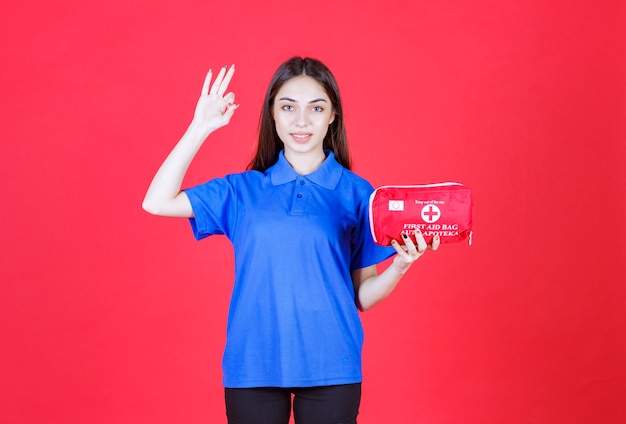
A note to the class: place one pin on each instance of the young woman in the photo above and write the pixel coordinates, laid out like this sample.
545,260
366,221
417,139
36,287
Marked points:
304,259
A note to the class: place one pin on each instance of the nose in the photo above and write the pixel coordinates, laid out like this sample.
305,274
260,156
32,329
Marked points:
302,119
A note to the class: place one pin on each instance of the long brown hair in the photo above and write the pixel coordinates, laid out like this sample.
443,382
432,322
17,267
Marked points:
270,145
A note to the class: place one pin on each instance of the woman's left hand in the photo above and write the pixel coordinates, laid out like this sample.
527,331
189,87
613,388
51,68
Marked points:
410,252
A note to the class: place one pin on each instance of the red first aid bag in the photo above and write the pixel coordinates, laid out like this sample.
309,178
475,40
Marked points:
443,209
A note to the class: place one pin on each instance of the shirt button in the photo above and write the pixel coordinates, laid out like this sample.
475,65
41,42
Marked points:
299,196
301,182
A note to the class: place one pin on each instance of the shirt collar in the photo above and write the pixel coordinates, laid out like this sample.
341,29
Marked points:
327,175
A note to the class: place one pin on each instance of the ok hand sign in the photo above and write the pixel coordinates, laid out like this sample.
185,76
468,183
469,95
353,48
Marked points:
214,109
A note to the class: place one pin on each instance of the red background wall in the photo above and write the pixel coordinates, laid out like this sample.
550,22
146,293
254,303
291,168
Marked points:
109,315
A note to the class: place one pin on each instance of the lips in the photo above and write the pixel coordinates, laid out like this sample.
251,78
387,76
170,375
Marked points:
300,137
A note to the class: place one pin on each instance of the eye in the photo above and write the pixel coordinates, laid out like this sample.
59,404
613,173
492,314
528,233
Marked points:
287,107
318,109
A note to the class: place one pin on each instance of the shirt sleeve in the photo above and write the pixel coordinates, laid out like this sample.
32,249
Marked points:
214,206
365,252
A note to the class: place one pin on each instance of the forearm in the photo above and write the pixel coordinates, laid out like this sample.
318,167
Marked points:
166,185
375,288
372,288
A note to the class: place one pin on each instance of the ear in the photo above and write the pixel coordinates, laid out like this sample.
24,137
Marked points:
332,118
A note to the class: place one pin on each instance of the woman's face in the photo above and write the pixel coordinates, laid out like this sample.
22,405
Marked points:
302,112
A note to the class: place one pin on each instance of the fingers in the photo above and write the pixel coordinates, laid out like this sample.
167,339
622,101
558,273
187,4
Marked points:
220,85
421,243
230,106
435,244
218,80
408,251
207,83
224,84
419,247
400,250
229,98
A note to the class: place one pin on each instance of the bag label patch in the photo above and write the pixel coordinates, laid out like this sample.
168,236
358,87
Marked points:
396,205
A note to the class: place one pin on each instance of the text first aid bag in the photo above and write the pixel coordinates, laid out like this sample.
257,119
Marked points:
443,209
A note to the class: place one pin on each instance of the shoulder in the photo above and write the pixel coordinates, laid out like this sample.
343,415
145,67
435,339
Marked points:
245,177
237,179
356,182
229,184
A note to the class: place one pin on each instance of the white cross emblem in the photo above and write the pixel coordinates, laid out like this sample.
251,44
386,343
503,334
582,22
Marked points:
430,213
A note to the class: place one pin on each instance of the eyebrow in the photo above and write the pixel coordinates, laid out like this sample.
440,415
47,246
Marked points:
289,99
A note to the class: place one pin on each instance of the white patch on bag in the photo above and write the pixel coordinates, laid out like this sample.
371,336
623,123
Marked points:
396,205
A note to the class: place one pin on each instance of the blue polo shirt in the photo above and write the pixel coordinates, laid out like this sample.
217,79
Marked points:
293,320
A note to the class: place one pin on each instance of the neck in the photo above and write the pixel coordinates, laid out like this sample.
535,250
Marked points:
307,163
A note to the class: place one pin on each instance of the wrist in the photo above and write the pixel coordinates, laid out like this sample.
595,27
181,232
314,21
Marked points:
400,266
199,131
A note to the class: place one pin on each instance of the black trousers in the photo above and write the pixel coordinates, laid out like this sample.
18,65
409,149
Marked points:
311,405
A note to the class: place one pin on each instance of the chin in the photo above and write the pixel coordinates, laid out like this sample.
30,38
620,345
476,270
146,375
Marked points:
305,148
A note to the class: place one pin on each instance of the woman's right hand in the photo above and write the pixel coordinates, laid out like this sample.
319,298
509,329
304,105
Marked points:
214,108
